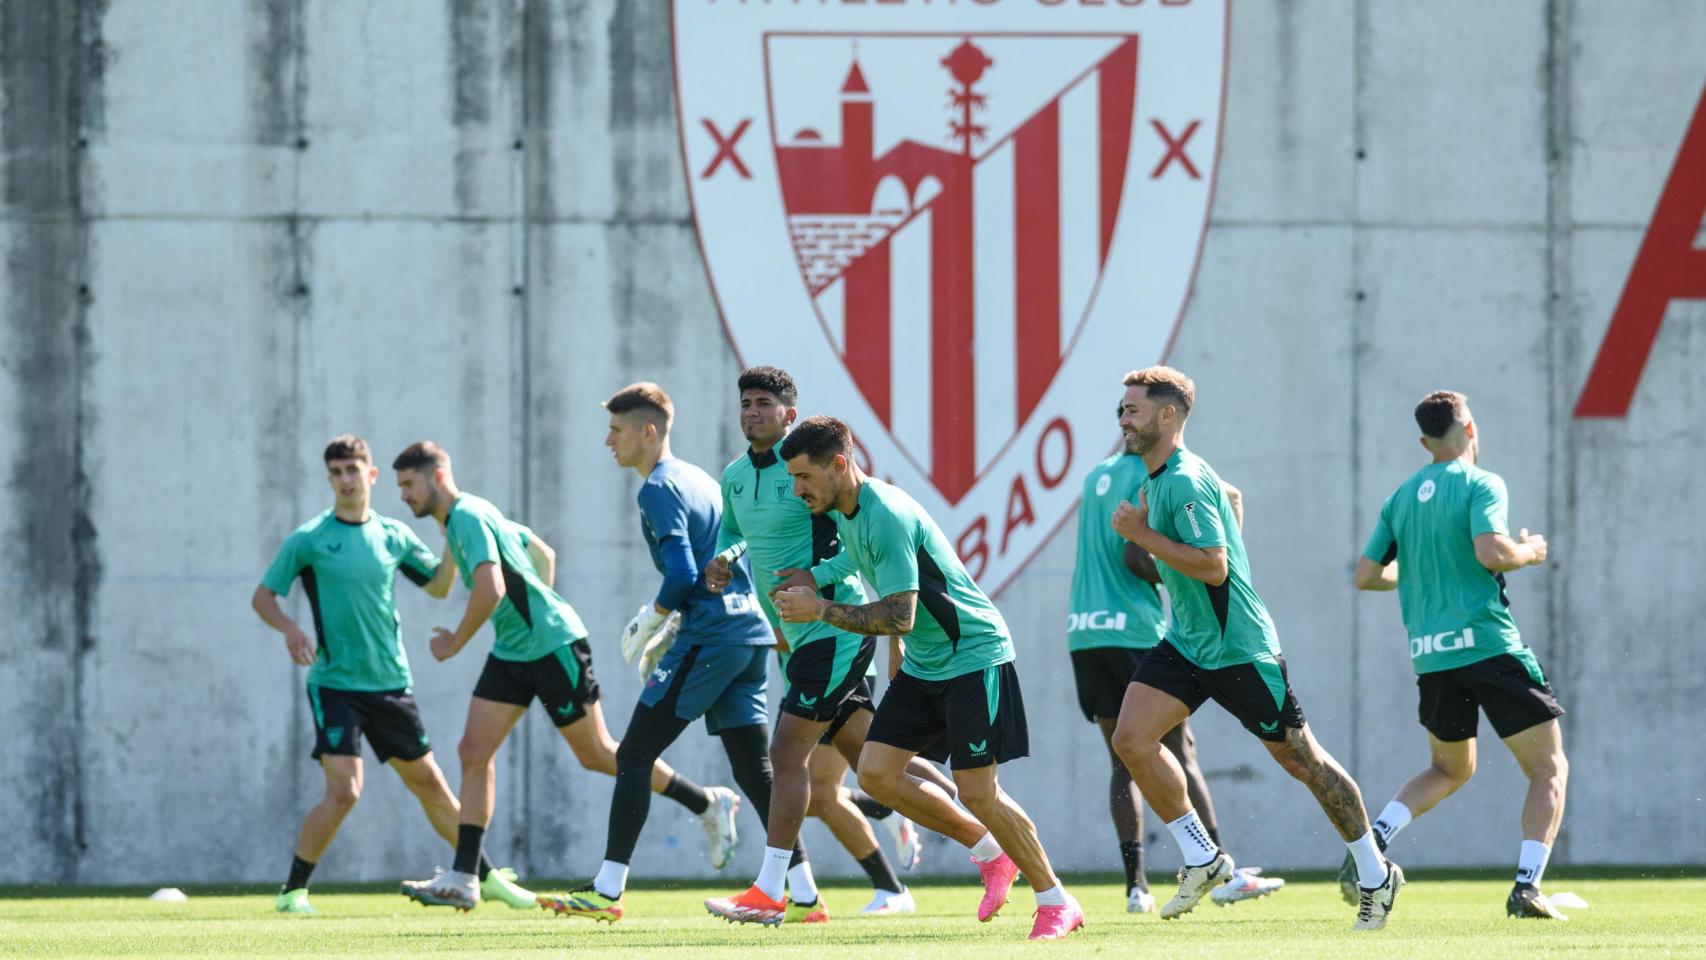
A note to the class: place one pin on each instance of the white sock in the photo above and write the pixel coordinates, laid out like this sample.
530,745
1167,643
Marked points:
1531,863
1371,863
1192,838
772,871
986,849
801,887
1054,896
1394,818
612,879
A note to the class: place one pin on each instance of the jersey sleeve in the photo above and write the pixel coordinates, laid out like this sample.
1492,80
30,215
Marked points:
1382,544
1489,505
834,569
667,515
285,566
728,532
1196,517
418,562
473,543
894,555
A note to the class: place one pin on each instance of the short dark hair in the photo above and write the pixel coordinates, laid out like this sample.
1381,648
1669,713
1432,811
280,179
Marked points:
1165,385
772,380
423,455
645,398
348,446
819,437
1440,411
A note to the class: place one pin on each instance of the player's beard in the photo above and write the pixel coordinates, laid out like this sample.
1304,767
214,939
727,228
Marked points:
428,506
1142,439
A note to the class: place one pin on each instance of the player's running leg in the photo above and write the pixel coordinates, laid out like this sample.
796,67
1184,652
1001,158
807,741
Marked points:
426,781
343,789
1539,750
833,803
1378,879
1125,806
595,749
1146,715
1247,883
489,723
1451,763
1057,913
790,797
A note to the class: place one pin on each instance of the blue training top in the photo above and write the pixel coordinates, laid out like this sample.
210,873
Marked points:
681,512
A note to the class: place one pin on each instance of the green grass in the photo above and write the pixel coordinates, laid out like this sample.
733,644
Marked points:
1439,916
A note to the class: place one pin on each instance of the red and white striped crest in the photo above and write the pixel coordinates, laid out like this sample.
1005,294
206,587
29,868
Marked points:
956,225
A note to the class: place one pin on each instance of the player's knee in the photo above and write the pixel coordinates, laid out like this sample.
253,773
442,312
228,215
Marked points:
1552,769
473,755
1298,761
980,796
1130,745
1457,772
343,794
879,782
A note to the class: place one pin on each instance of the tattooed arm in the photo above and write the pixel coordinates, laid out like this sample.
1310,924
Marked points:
890,615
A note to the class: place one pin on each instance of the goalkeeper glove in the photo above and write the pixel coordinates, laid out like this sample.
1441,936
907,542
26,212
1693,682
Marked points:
659,645
639,631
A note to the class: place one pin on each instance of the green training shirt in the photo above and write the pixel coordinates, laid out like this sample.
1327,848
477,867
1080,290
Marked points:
759,507
347,571
1455,610
898,547
531,620
1214,627
1110,606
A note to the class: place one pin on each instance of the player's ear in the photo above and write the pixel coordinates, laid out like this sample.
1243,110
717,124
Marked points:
789,416
372,474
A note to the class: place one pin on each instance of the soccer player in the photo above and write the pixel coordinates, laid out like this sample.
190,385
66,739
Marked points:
826,668
358,675
957,687
717,667
540,651
1115,619
1222,644
1442,542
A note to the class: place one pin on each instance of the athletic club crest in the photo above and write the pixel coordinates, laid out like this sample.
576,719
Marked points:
957,225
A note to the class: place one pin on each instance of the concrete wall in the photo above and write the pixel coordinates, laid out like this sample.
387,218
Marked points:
233,230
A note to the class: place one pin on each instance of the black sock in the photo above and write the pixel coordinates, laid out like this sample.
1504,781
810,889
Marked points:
869,806
1131,851
299,871
468,840
882,875
688,794
486,866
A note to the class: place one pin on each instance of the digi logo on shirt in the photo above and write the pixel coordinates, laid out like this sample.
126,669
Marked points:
1095,620
1447,642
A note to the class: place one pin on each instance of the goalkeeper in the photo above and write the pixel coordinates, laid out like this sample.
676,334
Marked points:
717,667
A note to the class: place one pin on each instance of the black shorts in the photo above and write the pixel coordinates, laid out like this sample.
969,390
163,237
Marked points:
1257,694
863,697
975,719
1102,675
825,672
1514,696
388,718
561,679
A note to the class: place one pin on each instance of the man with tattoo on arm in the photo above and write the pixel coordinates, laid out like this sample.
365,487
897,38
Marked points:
957,692
1223,645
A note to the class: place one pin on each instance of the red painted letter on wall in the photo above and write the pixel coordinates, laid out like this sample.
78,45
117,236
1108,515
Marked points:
1667,267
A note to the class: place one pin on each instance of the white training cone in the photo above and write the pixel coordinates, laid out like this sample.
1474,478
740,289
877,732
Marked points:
168,895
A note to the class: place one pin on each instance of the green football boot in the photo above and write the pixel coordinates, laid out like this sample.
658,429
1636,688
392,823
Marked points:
500,885
294,901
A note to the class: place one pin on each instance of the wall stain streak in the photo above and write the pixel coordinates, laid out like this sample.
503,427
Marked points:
51,65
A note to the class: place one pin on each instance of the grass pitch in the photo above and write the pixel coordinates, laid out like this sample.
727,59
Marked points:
1438,916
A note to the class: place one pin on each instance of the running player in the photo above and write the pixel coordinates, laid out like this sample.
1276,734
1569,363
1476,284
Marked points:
1442,542
1222,644
1115,619
540,651
717,667
828,670
358,675
957,687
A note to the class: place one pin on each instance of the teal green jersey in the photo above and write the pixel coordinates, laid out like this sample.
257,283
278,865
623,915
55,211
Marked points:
531,620
1213,627
897,547
1455,610
347,571
1110,606
780,532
